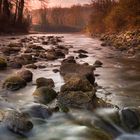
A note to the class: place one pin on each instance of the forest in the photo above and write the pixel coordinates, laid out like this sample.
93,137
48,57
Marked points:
55,19
114,16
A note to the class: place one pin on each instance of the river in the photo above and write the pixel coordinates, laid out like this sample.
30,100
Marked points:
118,79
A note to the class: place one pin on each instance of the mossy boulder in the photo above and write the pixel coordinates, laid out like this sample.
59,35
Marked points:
73,69
44,82
3,63
76,83
26,75
14,83
44,95
77,99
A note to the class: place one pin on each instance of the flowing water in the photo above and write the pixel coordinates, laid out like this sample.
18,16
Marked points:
119,81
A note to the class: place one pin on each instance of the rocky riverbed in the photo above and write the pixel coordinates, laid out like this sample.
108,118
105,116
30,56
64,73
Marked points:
127,42
52,83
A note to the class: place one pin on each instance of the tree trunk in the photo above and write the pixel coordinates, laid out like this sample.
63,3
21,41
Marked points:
16,11
20,11
0,7
6,8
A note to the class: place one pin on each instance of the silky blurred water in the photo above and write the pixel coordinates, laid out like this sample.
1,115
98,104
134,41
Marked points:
119,81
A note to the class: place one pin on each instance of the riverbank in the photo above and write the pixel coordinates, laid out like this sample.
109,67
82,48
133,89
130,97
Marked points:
128,42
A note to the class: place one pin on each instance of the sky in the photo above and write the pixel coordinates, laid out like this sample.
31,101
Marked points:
62,3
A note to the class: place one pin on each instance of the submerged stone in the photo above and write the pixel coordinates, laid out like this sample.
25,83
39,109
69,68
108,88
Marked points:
18,122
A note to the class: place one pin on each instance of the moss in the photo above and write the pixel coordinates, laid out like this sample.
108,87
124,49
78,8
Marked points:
3,63
44,95
77,84
14,83
44,82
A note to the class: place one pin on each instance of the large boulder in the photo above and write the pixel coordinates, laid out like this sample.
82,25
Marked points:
14,83
44,82
73,69
76,83
77,99
18,122
44,95
26,75
3,63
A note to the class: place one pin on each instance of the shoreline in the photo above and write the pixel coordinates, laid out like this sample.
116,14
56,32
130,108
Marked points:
127,42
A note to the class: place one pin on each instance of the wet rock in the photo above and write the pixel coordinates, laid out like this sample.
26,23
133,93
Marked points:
3,63
104,44
44,95
69,59
18,122
41,66
14,83
15,45
45,43
44,82
63,49
59,53
82,55
31,66
24,59
98,63
51,55
76,83
14,65
55,70
28,50
81,51
9,50
73,69
129,119
38,111
36,47
26,75
77,99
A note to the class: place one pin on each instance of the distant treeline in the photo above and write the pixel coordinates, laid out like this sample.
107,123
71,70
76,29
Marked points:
61,19
114,15
13,17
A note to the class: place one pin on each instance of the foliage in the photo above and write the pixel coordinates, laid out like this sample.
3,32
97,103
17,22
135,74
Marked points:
112,16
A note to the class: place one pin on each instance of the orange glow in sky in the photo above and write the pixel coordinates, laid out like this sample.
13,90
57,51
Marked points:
63,3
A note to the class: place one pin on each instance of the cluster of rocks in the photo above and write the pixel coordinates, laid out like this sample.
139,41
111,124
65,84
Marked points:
27,53
128,41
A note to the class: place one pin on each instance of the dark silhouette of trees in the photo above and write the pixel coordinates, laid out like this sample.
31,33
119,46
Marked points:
15,15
